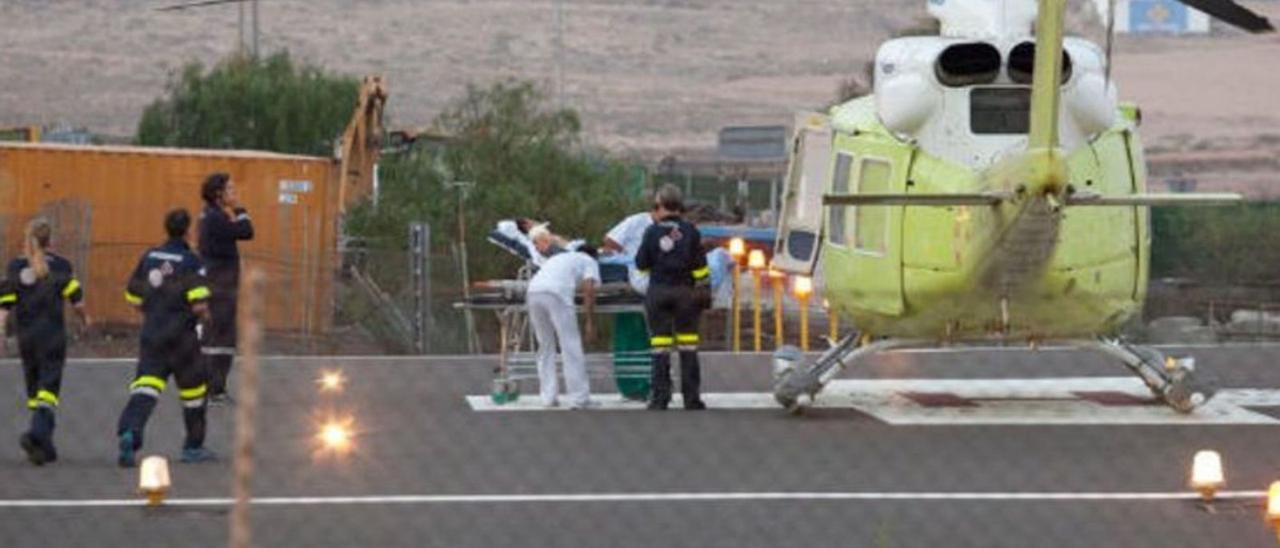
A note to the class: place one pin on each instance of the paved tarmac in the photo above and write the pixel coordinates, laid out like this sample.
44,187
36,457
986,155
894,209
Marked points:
428,470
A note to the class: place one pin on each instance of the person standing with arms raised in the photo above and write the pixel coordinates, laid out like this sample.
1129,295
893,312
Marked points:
223,223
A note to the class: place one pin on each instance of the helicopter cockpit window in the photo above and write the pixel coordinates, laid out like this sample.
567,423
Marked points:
1022,60
968,64
1000,110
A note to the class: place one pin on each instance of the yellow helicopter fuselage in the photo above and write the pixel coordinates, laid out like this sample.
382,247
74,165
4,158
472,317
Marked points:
1016,269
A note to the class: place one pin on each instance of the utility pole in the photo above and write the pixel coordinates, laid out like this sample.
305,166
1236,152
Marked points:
255,29
559,52
473,341
420,273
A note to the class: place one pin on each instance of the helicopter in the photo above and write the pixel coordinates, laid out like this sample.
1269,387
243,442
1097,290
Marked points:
990,190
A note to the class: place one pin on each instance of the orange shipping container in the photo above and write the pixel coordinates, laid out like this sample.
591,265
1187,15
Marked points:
107,205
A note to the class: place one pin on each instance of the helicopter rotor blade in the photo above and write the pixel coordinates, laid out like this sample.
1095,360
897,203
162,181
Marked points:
1232,14
201,4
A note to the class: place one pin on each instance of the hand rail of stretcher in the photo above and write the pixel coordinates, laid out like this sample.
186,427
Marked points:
601,308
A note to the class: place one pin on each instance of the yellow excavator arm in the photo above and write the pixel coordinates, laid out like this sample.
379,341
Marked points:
361,143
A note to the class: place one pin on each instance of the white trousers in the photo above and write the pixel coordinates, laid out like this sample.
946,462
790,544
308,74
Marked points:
554,320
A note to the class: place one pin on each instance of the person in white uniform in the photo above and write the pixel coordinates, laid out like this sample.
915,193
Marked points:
624,239
550,300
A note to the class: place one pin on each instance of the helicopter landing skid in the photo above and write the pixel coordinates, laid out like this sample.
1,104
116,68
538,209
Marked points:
1172,380
793,379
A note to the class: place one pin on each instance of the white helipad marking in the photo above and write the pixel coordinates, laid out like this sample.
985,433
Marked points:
615,402
1054,401
1034,402
634,498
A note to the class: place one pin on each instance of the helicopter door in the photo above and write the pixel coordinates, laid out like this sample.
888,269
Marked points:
800,227
873,234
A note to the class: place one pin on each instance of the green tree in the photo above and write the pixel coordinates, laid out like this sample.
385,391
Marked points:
1220,245
262,104
522,158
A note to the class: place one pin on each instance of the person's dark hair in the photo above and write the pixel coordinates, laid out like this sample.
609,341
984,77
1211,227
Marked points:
670,198
176,223
213,186
589,249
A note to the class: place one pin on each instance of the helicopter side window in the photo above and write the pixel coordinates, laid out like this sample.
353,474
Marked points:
871,224
839,185
968,64
1000,110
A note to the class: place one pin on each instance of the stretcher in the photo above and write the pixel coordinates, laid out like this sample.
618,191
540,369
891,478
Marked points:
628,365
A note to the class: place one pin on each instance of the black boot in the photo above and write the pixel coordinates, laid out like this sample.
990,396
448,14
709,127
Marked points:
660,379
691,381
133,420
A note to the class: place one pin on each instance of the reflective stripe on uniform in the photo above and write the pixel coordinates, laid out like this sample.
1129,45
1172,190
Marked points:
148,381
72,287
218,350
9,298
687,341
702,273
45,398
132,299
193,404
661,340
198,293
193,393
145,391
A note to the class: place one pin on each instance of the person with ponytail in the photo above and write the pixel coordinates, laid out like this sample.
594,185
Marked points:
37,285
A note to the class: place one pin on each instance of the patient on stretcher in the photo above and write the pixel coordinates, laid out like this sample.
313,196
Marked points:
534,242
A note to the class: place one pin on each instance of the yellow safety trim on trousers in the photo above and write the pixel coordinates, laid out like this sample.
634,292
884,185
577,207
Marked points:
702,273
148,380
132,299
45,396
661,340
642,270
687,338
198,293
193,393
9,298
32,403
72,287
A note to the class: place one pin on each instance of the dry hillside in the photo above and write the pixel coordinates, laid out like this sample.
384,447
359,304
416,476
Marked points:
648,74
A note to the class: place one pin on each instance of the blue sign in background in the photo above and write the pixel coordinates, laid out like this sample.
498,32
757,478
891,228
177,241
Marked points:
1157,16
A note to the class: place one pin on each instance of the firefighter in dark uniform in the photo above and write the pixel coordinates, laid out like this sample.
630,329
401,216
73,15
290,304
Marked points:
36,287
222,223
671,252
169,287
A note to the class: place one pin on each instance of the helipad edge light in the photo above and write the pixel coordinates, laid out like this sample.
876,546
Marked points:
153,479
331,381
803,287
737,248
335,436
1273,504
1206,474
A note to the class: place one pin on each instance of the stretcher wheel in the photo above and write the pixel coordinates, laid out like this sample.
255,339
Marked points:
504,391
